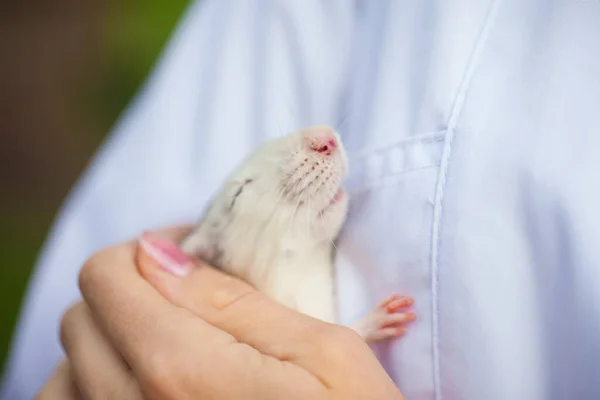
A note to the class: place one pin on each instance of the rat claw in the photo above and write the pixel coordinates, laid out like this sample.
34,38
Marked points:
387,319
390,299
395,302
397,318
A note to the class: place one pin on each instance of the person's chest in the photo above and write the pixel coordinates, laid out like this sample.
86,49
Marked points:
466,125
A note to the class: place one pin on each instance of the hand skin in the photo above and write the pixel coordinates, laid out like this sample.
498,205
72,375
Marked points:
60,386
155,324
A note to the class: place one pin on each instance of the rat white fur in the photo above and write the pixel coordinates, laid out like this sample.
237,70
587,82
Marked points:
274,221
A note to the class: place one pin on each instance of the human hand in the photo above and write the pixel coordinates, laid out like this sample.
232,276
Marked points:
60,386
176,329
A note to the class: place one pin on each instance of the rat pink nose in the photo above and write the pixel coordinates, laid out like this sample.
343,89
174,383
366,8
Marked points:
321,139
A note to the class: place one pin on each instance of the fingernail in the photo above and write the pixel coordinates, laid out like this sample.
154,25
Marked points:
166,254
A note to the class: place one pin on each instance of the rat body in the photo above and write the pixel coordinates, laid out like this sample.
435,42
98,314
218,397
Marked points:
274,222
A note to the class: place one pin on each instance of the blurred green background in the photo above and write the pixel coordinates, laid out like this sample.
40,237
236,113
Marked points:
67,70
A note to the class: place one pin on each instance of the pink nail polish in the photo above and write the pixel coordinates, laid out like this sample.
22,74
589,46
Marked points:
167,255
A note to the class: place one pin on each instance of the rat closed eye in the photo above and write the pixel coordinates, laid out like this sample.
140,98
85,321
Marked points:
239,192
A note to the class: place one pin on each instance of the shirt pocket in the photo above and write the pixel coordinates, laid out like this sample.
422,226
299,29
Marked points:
385,245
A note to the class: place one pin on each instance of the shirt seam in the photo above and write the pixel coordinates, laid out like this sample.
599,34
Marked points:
423,138
441,184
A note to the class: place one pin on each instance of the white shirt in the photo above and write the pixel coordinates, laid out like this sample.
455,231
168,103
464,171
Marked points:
474,136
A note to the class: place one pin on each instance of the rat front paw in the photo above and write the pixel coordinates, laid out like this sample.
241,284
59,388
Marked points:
387,320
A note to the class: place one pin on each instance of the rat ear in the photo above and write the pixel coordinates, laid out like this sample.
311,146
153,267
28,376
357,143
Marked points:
197,244
203,244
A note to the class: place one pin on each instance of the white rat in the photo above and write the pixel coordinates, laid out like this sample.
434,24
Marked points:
274,222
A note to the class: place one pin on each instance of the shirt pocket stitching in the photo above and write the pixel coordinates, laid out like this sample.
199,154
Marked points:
379,165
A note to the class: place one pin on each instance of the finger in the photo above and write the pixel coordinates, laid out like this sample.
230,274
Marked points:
136,318
235,307
98,370
169,348
60,385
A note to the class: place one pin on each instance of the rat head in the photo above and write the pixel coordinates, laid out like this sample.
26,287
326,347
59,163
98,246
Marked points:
282,207
291,187
285,199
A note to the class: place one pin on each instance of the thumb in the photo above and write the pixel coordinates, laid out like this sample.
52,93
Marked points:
234,306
